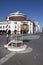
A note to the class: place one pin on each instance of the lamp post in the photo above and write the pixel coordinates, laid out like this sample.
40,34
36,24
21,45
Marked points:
7,32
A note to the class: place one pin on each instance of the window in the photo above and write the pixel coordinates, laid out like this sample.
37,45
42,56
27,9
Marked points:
15,22
9,26
3,26
0,26
15,26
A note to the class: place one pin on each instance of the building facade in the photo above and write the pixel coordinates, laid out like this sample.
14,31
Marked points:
17,23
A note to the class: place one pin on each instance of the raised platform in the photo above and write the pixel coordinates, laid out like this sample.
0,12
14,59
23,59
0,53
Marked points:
20,46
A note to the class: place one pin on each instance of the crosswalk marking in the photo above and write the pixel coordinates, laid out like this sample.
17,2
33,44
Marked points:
5,58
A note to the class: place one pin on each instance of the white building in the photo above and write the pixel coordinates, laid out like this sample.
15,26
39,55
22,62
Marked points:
17,22
36,27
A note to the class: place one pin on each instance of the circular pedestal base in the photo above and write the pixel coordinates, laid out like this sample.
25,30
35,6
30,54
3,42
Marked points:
16,46
21,48
28,50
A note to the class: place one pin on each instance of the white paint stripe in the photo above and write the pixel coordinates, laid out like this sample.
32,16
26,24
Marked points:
8,56
10,42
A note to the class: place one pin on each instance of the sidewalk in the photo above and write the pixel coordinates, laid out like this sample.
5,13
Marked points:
29,37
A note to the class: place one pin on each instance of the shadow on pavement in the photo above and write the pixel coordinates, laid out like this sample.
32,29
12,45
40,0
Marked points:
26,40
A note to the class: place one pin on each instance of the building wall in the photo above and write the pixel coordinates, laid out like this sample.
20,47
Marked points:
3,25
31,27
16,25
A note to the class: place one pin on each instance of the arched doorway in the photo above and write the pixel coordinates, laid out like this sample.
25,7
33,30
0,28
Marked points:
24,28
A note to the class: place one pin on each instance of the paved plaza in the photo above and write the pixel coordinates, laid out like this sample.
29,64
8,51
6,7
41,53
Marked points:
33,55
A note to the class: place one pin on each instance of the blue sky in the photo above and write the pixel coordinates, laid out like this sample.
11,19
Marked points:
32,8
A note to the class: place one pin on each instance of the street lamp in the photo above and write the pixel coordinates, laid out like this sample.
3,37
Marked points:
7,32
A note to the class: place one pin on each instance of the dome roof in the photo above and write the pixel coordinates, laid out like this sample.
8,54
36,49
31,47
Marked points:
17,16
